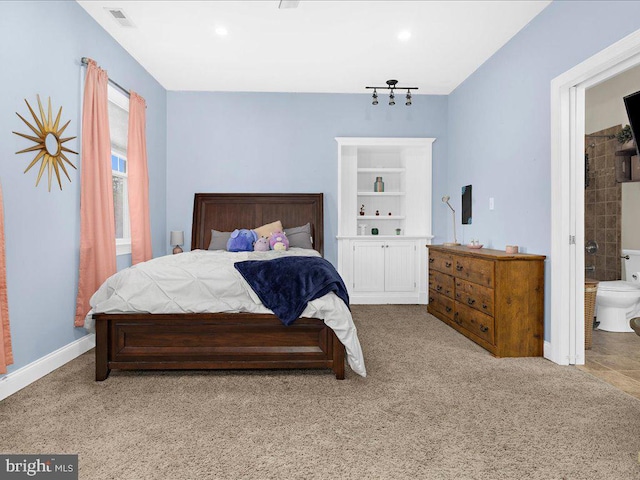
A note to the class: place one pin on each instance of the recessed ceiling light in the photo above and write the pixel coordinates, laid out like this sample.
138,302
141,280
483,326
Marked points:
221,31
404,35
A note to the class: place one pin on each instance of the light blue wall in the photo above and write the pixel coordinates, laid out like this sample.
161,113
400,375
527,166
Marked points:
282,142
42,43
499,123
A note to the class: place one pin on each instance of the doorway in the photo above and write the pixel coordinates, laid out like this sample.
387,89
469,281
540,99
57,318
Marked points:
566,338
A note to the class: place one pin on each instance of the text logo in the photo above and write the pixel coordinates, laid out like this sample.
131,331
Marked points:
49,467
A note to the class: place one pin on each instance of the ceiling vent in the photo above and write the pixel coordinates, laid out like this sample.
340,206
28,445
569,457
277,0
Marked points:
121,17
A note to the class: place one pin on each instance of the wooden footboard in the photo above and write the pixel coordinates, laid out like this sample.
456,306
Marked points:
206,341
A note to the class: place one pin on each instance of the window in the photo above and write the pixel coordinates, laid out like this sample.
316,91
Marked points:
119,127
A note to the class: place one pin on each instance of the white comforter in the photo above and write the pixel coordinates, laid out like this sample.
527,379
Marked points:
206,282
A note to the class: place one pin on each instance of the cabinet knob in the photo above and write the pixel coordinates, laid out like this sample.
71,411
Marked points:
430,299
485,306
448,309
447,264
431,260
459,267
470,301
483,328
456,319
439,288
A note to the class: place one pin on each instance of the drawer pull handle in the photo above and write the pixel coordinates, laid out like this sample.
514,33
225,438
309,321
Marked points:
448,309
458,295
431,260
447,264
470,301
485,306
430,299
456,319
439,287
459,267
447,291
483,328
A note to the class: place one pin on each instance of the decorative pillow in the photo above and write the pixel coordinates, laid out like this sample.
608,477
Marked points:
300,236
241,240
261,245
219,240
278,241
268,229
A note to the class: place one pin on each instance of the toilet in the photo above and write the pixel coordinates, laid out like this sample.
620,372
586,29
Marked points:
618,301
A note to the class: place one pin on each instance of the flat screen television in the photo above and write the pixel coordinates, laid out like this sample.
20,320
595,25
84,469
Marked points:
632,104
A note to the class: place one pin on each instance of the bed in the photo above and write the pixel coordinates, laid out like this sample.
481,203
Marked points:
150,341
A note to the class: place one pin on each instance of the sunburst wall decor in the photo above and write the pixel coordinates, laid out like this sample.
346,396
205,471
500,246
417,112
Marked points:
49,143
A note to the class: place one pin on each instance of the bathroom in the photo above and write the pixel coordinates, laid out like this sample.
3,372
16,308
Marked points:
612,232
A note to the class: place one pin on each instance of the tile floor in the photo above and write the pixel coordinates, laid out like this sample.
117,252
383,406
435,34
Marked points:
615,358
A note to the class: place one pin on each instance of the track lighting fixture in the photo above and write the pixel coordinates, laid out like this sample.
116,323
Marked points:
392,85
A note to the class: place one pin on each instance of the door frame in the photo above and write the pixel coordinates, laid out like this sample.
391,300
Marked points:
566,337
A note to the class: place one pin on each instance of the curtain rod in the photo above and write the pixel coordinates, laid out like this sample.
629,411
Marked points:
85,62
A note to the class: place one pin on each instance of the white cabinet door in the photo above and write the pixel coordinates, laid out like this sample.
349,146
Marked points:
368,266
400,267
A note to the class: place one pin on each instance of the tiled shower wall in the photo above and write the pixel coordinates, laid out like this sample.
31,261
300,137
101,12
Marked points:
602,209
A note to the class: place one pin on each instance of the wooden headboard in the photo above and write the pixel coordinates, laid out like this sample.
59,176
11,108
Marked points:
227,211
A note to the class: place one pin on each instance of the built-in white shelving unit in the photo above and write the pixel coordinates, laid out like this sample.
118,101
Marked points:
389,267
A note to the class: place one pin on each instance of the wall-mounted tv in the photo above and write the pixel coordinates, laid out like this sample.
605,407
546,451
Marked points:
632,104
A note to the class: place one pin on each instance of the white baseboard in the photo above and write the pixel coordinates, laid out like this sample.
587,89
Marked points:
15,381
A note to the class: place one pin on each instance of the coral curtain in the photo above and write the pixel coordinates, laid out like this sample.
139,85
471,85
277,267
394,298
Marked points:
138,181
97,222
6,354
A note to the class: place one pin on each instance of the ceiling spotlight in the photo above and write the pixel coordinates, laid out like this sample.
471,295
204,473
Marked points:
392,85
404,35
221,31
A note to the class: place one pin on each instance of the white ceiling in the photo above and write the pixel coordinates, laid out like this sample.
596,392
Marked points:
320,46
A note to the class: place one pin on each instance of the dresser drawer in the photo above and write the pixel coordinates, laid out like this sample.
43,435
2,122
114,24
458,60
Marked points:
475,296
441,283
475,270
441,262
441,304
475,322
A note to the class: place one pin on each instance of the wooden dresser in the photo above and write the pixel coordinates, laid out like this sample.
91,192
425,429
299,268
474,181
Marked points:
494,298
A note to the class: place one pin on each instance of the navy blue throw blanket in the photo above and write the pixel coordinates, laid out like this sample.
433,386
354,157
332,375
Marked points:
285,285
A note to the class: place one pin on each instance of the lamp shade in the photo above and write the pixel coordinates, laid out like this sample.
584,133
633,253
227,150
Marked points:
177,237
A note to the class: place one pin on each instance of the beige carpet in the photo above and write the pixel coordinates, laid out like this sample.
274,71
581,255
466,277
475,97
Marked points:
434,406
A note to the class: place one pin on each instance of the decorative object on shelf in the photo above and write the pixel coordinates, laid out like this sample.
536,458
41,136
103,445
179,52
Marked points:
511,249
377,213
374,231
398,231
475,244
177,239
49,143
378,185
392,85
446,199
362,210
363,229
625,135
